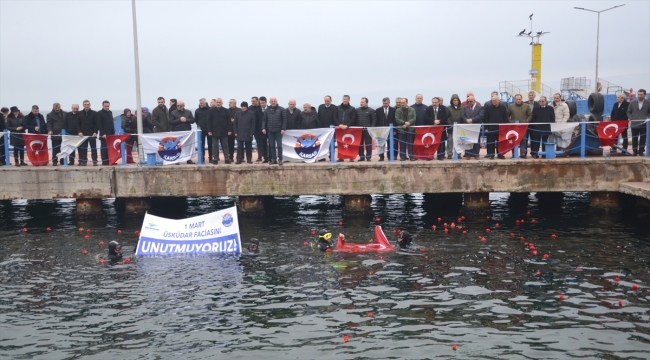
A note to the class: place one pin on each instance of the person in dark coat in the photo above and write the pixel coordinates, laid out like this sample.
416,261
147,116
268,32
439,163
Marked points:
232,110
87,126
35,122
308,117
274,125
201,115
4,113
173,105
55,123
160,117
385,116
293,116
472,114
327,113
619,112
16,125
420,109
181,119
105,126
147,125
219,127
260,138
437,114
346,116
366,118
72,126
129,126
244,129
539,133
494,112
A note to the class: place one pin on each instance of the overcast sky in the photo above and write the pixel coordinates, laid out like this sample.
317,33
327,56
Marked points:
68,51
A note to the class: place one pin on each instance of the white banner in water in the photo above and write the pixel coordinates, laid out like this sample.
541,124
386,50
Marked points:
306,145
170,147
214,232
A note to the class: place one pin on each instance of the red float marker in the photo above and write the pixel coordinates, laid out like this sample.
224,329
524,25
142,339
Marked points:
377,220
101,242
445,224
439,219
488,217
372,273
521,237
446,231
81,229
464,232
127,260
635,287
617,279
87,237
553,236
346,338
463,217
340,223
528,213
328,250
371,314
483,239
578,268
433,227
620,303
454,347
545,256
314,232
88,230
496,225
517,222
137,232
487,230
538,273
399,231
102,261
531,246
561,296
459,226
24,230
535,252
85,252
525,244
119,232
305,243
423,250
512,234
522,221
453,224
532,220
48,229
480,237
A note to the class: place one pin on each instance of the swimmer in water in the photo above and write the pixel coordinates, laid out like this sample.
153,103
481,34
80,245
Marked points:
325,240
404,239
114,252
253,246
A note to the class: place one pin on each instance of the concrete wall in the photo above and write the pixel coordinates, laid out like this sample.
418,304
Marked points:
593,174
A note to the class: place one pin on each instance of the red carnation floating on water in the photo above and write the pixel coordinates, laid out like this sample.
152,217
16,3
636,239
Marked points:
102,261
127,260
87,237
561,296
101,243
119,232
635,287
545,256
370,314
84,251
48,229
553,236
454,347
538,273
487,230
346,338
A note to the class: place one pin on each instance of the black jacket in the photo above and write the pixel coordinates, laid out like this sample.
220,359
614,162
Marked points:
495,115
32,121
87,124
620,112
219,121
56,122
72,123
543,115
293,120
129,124
275,119
176,123
366,117
244,125
105,123
429,116
13,123
201,115
347,115
309,120
259,115
327,115
382,120
420,117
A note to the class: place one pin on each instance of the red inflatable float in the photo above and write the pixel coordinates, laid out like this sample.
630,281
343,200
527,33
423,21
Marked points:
380,244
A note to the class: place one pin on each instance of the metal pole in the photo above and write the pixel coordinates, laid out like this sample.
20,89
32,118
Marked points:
647,138
391,144
6,145
65,159
583,137
138,98
515,154
200,146
454,147
332,145
597,44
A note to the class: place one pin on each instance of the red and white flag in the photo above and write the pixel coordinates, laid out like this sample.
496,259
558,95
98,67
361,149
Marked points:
114,143
426,142
510,135
36,148
348,141
608,131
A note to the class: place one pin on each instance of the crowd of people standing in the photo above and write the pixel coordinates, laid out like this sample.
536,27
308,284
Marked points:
265,121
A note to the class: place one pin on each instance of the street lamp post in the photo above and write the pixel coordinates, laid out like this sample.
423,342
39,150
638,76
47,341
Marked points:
137,79
598,34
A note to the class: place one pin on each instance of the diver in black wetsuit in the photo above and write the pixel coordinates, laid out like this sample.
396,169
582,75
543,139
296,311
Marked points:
325,240
114,252
253,246
404,240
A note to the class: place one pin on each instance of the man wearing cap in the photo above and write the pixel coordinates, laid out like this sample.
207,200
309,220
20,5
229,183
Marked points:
105,127
55,123
244,129
87,126
71,126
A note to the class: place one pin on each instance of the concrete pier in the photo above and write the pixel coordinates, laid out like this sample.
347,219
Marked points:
603,200
90,208
252,205
477,202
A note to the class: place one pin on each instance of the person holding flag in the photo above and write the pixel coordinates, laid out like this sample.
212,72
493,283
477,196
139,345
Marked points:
518,111
437,115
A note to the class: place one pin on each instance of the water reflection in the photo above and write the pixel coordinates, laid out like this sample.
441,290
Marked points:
294,301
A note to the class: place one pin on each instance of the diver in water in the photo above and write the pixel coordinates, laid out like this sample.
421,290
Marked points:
404,240
254,246
325,240
114,252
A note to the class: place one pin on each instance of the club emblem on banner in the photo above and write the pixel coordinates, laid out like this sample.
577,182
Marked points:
307,146
169,148
227,219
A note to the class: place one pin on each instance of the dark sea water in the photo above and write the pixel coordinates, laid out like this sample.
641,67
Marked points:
294,302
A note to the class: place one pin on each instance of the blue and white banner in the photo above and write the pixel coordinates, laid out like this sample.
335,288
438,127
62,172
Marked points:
215,232
170,147
465,136
380,136
306,145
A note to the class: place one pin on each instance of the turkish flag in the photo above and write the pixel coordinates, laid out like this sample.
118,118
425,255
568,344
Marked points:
36,147
114,142
349,141
426,142
510,135
608,131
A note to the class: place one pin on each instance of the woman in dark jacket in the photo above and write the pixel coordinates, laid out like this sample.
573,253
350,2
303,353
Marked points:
15,124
